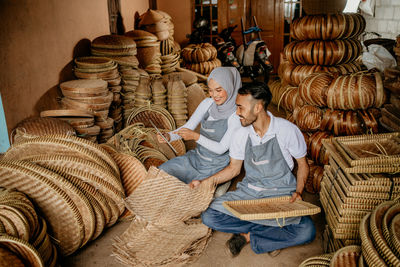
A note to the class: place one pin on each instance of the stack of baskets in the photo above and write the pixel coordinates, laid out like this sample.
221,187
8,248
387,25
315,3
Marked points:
148,48
201,58
81,121
130,81
177,100
23,234
161,118
164,232
158,92
142,93
168,47
391,112
73,182
324,43
361,175
90,96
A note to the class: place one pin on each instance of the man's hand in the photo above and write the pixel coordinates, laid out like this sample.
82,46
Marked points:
188,134
161,140
194,184
295,196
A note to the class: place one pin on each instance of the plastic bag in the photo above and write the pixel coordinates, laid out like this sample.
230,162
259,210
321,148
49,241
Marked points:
378,57
368,7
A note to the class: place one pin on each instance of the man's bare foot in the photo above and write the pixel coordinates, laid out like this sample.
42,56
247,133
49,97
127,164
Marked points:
247,236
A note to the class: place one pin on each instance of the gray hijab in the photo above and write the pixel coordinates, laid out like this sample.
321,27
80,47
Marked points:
229,79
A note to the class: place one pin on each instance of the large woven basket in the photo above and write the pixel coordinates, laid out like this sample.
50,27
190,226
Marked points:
24,251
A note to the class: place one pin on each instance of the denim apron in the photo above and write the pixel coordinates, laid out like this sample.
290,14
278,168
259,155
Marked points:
267,175
200,163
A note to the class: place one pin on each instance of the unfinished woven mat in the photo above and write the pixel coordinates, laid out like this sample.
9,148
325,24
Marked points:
270,208
164,198
148,244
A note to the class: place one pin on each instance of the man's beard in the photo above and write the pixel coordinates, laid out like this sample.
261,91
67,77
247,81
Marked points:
246,122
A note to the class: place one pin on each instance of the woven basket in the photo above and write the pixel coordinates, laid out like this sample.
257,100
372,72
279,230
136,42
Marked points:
20,225
7,258
67,113
308,118
24,251
377,234
83,87
346,257
159,116
390,234
370,254
270,208
55,204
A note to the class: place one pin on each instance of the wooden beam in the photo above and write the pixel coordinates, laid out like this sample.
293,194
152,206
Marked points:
153,4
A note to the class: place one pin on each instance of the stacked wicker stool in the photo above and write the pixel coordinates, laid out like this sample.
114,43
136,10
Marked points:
201,58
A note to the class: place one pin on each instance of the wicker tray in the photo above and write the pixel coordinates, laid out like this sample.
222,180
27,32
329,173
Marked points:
377,149
270,208
347,168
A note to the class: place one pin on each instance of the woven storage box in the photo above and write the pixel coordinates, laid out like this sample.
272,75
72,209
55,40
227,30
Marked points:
347,168
380,149
175,201
270,208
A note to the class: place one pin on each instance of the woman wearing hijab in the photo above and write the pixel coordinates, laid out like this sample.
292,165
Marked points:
219,121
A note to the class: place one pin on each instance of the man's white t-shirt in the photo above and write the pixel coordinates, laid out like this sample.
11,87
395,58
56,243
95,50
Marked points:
290,140
217,147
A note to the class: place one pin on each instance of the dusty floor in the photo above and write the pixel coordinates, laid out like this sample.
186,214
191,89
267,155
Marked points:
98,252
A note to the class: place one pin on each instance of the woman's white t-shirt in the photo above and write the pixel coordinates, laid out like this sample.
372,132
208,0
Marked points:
217,147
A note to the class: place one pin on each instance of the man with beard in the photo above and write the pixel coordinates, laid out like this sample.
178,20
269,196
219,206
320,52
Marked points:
267,145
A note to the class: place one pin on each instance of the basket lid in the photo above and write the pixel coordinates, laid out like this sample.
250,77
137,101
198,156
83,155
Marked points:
113,41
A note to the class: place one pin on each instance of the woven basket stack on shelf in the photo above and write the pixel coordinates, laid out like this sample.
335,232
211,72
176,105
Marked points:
74,183
201,58
90,95
164,232
177,100
391,112
23,233
160,24
148,50
362,173
323,43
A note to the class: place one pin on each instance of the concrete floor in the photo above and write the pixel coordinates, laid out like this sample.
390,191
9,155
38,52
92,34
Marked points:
98,252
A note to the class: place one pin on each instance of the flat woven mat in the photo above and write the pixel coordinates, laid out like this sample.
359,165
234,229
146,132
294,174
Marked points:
270,208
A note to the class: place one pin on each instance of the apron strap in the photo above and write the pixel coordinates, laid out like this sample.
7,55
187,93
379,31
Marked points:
283,222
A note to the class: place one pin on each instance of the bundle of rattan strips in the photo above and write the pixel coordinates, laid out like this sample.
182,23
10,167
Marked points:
65,145
160,117
58,208
23,250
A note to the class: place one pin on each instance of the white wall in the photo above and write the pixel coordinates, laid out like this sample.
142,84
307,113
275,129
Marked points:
387,19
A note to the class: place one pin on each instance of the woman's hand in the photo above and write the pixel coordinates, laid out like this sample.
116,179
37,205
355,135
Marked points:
188,134
296,196
194,184
161,140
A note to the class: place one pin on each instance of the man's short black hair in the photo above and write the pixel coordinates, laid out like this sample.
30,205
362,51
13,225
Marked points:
258,90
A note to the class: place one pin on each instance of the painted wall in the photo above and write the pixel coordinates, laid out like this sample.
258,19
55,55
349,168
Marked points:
180,11
38,42
386,20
